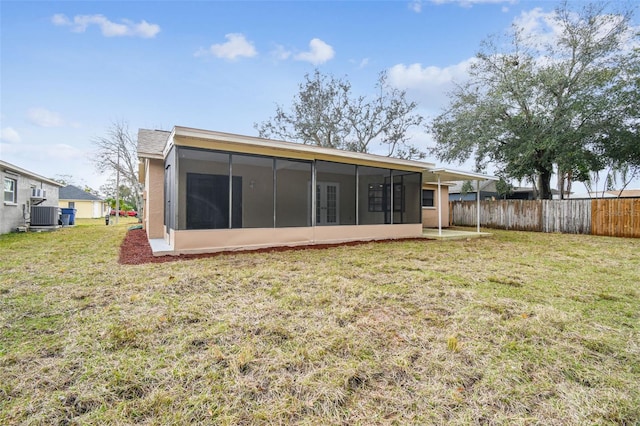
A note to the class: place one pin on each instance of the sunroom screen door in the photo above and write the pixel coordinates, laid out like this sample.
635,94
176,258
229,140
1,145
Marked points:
208,201
327,203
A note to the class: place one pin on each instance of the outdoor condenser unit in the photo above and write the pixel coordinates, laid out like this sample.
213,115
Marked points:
44,215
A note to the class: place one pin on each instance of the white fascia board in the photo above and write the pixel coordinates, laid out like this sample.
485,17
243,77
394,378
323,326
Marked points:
291,146
455,175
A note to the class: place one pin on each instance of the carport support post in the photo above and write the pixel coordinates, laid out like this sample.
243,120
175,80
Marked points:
439,208
478,205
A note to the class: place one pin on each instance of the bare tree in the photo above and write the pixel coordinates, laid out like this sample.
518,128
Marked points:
325,113
116,154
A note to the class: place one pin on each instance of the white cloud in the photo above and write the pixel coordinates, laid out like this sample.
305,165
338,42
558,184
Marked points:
44,118
469,3
319,52
416,6
9,134
44,153
430,85
540,30
41,152
236,46
80,23
51,160
60,19
280,53
360,63
63,151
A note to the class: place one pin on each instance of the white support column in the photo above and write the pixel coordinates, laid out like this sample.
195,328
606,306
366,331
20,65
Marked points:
439,208
230,210
314,184
478,204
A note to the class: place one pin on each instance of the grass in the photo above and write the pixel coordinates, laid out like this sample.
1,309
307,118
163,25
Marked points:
521,328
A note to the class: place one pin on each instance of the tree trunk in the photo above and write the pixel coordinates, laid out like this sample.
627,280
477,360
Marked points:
544,179
561,180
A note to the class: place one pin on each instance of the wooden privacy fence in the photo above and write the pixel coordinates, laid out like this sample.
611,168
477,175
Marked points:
616,217
613,217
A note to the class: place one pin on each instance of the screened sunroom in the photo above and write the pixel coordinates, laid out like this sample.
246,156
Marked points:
227,192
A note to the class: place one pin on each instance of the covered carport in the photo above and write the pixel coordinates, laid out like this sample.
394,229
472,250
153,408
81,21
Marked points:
442,175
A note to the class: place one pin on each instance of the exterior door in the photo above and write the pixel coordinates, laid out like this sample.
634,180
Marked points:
327,203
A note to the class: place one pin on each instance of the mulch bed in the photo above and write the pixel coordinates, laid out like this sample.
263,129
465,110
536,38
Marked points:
135,249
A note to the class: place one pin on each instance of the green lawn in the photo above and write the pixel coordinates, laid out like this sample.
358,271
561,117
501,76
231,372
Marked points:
521,328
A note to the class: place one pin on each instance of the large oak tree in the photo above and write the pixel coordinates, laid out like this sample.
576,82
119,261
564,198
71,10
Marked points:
533,107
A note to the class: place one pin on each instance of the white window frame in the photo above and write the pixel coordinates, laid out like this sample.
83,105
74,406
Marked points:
14,192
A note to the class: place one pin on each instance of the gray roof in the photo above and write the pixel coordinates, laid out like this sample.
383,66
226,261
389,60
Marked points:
71,192
151,142
489,186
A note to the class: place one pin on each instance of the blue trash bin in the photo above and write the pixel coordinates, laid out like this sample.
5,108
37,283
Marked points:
71,213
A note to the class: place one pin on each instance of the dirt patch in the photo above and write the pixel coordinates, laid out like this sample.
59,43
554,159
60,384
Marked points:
135,249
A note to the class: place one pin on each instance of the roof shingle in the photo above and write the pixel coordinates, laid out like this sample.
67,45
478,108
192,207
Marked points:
71,192
151,142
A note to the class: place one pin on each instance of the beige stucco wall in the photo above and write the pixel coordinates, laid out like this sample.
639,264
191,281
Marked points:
430,214
213,240
153,215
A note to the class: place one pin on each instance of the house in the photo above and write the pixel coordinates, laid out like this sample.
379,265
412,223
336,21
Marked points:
626,193
87,205
208,191
488,191
24,190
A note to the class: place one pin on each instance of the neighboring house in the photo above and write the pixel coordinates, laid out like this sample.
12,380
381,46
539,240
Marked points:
627,193
488,191
22,190
87,205
209,191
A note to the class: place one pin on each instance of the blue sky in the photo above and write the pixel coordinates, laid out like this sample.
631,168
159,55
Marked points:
69,69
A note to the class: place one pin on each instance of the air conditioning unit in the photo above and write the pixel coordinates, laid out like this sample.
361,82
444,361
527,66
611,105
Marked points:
44,215
38,193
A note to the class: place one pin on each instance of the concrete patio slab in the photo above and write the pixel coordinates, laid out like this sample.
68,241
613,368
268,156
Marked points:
452,234
159,247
